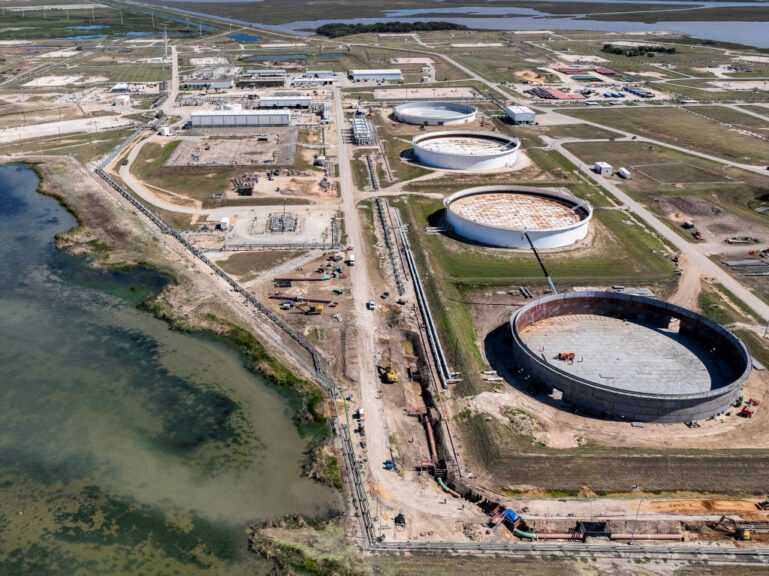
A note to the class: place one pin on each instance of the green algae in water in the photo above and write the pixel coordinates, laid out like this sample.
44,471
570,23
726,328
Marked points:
125,448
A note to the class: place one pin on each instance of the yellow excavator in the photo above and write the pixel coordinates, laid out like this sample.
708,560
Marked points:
391,376
739,532
311,309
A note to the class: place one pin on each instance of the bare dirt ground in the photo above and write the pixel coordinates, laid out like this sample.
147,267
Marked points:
423,93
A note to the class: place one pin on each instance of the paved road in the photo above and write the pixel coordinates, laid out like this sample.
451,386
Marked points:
694,252
173,93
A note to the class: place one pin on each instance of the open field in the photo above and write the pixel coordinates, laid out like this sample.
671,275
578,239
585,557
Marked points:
682,128
678,187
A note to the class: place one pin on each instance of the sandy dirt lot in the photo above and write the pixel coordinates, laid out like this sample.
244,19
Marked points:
65,127
573,58
422,93
46,81
478,45
412,60
208,61
60,54
741,84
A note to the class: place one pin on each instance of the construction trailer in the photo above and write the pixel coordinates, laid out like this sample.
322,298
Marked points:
624,173
521,114
603,168
235,118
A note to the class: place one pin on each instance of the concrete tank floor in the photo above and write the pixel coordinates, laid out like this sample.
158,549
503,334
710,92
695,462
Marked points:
627,356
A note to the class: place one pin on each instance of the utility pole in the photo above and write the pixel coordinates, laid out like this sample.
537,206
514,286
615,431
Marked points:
153,18
121,17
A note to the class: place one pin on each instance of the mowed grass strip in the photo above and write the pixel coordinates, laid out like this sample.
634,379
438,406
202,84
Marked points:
681,128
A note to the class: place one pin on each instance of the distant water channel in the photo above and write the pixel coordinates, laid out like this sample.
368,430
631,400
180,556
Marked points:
125,448
492,17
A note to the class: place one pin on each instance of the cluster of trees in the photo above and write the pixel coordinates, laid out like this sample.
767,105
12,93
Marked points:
338,29
637,50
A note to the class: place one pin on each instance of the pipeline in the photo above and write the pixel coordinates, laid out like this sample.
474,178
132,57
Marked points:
676,537
430,437
558,536
444,373
522,534
447,489
299,299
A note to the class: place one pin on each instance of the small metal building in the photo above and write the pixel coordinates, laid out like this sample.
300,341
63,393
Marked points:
377,75
319,74
603,168
520,114
230,118
285,102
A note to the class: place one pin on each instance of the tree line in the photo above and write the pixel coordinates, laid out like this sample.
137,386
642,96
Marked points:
338,29
637,50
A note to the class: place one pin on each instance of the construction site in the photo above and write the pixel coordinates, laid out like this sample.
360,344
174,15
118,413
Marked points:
512,347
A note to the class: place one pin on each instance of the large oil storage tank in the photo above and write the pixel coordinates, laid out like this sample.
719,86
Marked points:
466,150
628,357
435,113
500,215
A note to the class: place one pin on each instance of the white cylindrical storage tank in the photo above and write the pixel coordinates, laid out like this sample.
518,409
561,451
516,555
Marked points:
501,215
123,100
457,150
165,131
435,113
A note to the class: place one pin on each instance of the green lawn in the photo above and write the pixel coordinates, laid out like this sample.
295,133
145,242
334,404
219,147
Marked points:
683,129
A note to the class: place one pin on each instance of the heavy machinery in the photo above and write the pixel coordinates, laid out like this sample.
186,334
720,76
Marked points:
763,505
749,408
310,309
390,375
739,532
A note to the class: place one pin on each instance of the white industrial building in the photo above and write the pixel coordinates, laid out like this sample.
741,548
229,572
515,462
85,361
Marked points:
603,168
377,75
285,102
521,114
435,113
503,215
123,100
624,173
232,118
460,150
327,74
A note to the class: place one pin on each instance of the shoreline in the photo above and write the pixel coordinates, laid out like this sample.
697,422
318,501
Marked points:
305,399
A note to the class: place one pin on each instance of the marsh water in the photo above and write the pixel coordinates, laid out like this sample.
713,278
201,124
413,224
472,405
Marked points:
125,448
491,17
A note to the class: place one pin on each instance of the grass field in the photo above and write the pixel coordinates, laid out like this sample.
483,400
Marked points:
735,118
683,129
659,171
509,455
619,253
85,147
247,265
582,131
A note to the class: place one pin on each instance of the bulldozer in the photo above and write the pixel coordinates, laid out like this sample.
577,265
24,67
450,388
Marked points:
739,532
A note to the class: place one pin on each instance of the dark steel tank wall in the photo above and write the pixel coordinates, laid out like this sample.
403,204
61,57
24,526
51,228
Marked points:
601,400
